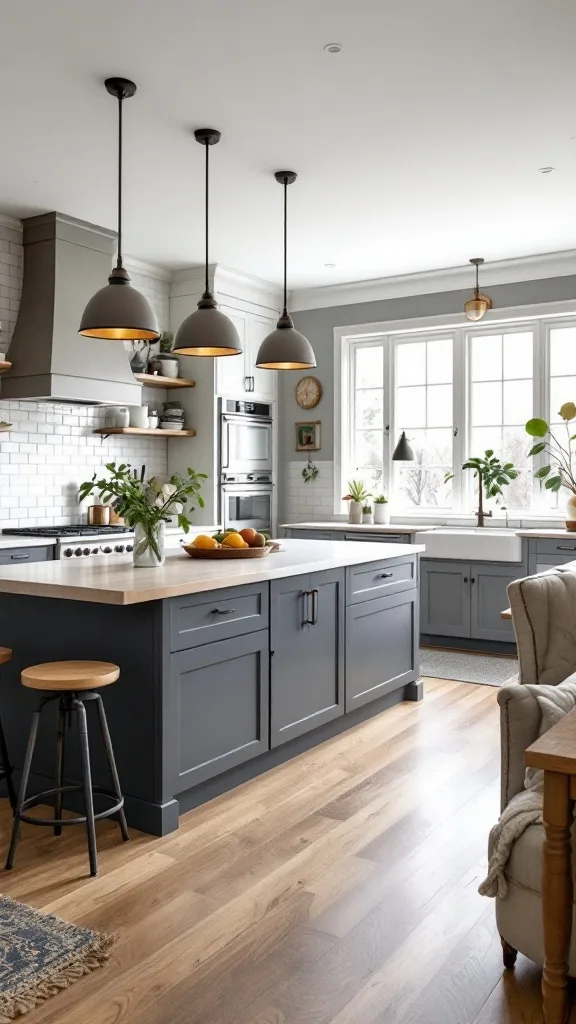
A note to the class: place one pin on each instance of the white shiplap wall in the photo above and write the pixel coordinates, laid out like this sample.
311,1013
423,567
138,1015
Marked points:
51,448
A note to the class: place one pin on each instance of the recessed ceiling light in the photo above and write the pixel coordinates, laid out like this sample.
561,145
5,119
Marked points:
332,47
546,170
330,266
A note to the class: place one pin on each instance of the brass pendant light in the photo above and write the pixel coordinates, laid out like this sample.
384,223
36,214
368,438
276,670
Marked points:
207,331
285,348
118,311
476,307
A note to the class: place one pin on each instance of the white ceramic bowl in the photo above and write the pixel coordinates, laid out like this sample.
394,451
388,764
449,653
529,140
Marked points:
171,425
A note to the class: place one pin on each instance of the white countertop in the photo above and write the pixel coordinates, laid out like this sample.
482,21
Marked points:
116,581
11,541
356,527
544,532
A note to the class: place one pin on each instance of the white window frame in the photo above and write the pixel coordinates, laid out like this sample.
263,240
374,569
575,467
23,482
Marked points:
539,319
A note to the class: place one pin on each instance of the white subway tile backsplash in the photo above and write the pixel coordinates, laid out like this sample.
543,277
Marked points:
307,501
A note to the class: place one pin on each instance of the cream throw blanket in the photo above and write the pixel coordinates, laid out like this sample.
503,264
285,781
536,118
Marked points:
525,808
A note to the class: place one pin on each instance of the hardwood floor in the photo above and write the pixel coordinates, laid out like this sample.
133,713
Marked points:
340,888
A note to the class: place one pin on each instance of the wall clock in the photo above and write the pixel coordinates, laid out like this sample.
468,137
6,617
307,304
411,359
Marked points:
308,392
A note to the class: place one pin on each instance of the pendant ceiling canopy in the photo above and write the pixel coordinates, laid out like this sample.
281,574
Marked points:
476,307
118,311
207,331
285,348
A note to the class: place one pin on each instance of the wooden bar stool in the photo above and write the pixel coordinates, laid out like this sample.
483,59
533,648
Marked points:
6,769
71,683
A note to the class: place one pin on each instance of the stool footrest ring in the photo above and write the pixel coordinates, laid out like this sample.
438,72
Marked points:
38,798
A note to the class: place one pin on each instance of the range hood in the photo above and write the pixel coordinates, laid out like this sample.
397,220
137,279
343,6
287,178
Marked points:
65,262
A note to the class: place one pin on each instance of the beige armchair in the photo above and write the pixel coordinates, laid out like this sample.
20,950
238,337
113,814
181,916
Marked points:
544,616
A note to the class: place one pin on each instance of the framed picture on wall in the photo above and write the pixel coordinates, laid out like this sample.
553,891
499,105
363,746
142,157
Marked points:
308,436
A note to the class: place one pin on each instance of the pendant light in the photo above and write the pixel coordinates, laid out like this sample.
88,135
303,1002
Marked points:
403,451
479,305
207,332
285,348
118,311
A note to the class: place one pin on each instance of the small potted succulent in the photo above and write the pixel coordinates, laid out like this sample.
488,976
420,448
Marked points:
381,510
357,495
367,517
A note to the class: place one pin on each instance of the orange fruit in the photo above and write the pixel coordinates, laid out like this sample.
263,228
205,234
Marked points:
234,540
248,534
204,541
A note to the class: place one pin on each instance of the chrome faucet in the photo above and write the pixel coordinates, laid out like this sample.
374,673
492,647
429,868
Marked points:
505,510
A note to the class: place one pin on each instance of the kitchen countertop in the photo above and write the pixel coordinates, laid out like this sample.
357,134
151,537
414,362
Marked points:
118,582
11,541
544,532
356,527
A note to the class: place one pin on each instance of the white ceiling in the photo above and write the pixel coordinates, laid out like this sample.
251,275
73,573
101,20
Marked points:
417,146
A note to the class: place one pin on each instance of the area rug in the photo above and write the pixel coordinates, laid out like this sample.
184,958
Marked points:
40,955
467,666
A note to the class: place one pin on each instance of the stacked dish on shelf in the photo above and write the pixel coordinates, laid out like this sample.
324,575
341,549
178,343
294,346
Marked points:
172,416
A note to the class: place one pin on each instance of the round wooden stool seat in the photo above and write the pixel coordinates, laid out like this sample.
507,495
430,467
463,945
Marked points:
5,655
70,675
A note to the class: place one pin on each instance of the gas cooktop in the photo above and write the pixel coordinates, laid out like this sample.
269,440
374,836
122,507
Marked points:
80,530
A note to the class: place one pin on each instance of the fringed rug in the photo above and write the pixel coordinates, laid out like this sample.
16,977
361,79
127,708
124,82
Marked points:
40,954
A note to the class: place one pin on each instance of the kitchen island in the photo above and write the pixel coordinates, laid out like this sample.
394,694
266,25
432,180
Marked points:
227,667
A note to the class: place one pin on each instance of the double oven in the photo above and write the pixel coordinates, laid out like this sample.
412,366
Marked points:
246,465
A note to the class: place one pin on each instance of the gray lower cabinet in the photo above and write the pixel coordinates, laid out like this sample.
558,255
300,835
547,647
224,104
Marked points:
220,695
445,598
546,552
381,646
313,535
488,598
20,556
307,644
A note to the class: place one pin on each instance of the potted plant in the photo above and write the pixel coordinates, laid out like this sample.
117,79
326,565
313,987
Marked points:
381,510
147,505
493,475
559,472
367,517
357,495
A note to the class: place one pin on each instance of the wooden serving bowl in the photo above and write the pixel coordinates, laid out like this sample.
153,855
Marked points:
227,552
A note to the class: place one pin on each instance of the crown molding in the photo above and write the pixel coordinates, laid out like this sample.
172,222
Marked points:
10,222
228,285
147,269
525,268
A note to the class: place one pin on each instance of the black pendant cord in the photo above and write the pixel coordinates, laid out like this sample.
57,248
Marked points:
285,311
119,253
477,288
206,220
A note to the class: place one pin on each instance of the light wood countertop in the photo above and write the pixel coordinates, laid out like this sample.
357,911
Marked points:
116,581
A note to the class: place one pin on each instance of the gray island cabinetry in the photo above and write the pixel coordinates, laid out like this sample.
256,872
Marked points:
218,682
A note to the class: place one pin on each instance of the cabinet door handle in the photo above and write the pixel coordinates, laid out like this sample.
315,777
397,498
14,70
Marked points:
223,611
253,383
566,547
306,621
314,607
465,579
384,575
472,579
246,383
20,558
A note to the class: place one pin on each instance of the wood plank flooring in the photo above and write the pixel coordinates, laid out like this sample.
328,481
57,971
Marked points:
340,888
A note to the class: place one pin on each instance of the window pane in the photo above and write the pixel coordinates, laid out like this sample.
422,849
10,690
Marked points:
371,475
562,389
439,370
515,447
368,449
440,405
487,357
486,404
410,407
411,363
369,408
370,367
562,351
517,401
518,355
432,447
485,437
420,486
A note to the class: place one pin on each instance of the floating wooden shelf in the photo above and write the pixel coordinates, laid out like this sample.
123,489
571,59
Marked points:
145,432
5,426
4,366
154,380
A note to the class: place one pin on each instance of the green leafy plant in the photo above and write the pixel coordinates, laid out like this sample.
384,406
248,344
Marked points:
492,474
310,472
147,503
559,471
166,341
380,499
356,492
367,510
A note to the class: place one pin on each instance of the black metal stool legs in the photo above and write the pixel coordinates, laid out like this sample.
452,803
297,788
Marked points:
87,778
7,768
60,750
24,784
112,762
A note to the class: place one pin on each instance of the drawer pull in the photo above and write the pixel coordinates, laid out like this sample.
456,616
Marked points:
384,575
566,547
223,611
19,558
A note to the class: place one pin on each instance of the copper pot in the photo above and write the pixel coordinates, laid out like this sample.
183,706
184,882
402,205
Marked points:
98,515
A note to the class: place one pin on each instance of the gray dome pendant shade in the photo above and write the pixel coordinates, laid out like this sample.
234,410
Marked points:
207,331
285,348
118,311
403,451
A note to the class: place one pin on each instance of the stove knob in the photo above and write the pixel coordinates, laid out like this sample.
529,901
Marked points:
107,550
119,549
86,551
78,551
129,547
68,552
94,551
